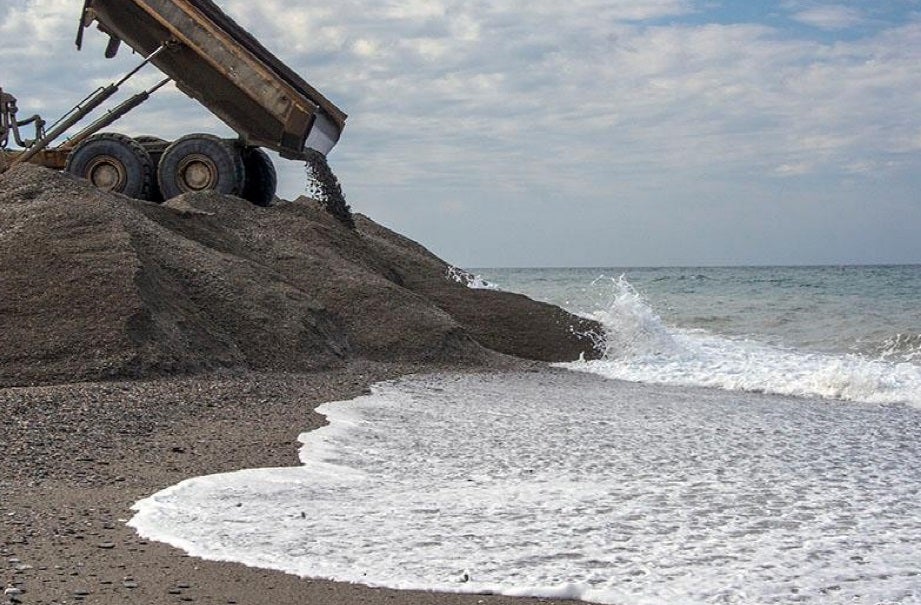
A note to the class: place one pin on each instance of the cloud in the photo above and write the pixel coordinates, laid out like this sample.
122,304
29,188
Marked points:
497,105
583,81
35,26
830,17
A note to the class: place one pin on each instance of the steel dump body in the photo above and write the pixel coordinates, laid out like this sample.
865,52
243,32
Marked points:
215,61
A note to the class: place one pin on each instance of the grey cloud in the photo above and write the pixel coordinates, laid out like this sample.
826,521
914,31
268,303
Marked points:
830,17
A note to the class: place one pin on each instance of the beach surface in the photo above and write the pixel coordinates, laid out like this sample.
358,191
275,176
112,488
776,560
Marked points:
145,344
83,454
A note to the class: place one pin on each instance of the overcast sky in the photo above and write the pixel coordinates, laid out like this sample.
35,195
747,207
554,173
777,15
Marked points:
577,133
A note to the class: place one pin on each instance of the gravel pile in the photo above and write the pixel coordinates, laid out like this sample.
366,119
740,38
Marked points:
142,344
98,286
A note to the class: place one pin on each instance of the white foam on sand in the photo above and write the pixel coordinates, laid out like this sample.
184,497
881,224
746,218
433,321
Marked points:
565,485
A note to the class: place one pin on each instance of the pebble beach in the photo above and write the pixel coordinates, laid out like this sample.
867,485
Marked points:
77,457
144,344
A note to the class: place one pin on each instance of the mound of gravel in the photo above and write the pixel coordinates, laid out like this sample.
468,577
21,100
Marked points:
94,286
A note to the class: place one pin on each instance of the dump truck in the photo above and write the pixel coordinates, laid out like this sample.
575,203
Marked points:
211,59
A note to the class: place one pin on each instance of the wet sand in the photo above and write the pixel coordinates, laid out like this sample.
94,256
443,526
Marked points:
76,457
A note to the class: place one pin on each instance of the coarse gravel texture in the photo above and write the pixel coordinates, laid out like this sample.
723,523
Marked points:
99,286
77,456
142,344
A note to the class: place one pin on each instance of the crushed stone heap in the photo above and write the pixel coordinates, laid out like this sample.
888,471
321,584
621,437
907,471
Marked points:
95,286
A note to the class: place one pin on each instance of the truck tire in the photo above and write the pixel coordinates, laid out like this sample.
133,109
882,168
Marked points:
200,162
113,162
155,146
261,178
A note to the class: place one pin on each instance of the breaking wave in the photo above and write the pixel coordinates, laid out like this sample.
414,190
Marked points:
641,347
469,279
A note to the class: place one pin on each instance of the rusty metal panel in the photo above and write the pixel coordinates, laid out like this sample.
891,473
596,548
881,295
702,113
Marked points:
49,158
218,63
245,39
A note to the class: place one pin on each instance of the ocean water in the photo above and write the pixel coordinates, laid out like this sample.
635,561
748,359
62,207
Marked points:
851,333
751,436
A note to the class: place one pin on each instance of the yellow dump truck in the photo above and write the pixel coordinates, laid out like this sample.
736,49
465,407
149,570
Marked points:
211,59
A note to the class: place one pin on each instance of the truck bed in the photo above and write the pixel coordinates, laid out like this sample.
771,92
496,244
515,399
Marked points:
215,61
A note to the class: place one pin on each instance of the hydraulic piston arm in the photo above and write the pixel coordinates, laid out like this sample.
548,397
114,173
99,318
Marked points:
10,125
86,107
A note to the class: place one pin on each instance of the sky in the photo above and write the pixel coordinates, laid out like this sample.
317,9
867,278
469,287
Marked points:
582,133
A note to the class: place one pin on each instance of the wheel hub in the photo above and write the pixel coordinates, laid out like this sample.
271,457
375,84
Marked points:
197,173
107,173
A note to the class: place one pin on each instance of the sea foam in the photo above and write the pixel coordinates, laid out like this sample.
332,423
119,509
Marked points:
560,484
640,347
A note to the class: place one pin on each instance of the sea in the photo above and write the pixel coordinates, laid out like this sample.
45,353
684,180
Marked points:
750,435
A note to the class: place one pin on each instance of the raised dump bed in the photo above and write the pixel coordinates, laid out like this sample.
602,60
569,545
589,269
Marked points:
217,62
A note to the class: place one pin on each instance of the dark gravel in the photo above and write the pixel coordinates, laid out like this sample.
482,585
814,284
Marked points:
142,344
76,457
99,286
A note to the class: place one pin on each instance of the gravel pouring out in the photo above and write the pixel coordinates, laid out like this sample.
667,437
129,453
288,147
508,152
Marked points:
325,187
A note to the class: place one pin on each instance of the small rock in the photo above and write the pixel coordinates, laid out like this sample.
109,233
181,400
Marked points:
106,545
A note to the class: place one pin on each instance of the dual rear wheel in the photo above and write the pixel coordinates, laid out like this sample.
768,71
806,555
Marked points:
149,168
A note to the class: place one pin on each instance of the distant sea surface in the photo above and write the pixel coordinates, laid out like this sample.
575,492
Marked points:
750,436
848,332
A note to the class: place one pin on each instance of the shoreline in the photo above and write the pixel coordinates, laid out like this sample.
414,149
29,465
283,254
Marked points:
78,456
